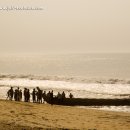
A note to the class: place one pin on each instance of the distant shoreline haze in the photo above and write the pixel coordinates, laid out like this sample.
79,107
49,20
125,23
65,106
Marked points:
100,65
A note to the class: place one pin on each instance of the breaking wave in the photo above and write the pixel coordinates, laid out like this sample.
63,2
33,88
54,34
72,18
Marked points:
70,79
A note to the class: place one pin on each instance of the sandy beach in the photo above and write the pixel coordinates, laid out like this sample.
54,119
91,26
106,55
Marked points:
29,116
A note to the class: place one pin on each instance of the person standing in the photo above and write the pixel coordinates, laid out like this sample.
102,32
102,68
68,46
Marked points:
34,95
44,96
25,94
20,95
10,93
63,96
28,95
71,95
51,97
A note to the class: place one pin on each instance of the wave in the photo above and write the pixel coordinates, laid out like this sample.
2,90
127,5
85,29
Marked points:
67,78
88,88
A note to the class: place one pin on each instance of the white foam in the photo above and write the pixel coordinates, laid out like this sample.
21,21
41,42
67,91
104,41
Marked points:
78,88
109,108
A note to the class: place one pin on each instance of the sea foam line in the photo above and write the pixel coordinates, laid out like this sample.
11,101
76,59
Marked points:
90,87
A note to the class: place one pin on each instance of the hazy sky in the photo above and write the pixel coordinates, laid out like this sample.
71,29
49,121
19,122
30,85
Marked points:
66,26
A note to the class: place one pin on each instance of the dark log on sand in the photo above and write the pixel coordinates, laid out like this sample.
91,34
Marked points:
91,102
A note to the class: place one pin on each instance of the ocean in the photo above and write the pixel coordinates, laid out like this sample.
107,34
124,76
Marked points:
84,75
68,65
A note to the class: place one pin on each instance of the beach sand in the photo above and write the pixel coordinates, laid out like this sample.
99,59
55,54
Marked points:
29,116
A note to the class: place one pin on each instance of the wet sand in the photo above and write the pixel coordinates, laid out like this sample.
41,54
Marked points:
29,116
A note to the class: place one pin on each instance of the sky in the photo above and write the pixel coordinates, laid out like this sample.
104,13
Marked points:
65,26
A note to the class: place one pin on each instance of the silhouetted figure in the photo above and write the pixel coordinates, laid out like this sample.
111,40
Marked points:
59,97
48,96
15,95
41,91
63,96
34,95
28,95
20,95
71,96
51,97
25,94
10,93
44,96
39,95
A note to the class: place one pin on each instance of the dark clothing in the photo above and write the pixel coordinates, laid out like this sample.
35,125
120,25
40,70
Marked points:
51,98
34,96
17,95
28,96
63,96
20,95
10,94
44,96
25,95
71,96
39,96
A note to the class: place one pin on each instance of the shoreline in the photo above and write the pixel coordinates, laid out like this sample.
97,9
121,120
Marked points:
21,115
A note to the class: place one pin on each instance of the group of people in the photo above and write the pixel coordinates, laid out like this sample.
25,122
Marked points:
16,94
38,96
